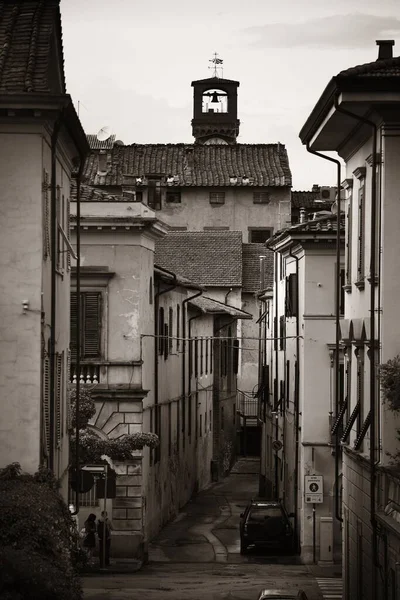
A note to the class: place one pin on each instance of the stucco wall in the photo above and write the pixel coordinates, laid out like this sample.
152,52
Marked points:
238,213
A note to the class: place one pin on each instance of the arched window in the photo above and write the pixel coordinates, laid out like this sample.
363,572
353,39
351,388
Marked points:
214,101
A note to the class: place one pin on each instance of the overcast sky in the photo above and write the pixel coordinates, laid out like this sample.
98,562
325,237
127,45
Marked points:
130,64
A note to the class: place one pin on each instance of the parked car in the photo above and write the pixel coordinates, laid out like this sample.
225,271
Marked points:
281,595
266,524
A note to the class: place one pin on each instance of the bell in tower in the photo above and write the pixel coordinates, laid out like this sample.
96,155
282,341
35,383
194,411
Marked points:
215,109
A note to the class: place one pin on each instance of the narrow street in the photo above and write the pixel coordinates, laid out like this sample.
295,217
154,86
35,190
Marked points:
197,555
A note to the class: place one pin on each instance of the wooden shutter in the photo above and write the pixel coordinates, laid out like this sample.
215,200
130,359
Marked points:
361,231
46,214
46,406
348,242
291,295
68,233
235,356
59,391
161,331
73,313
91,324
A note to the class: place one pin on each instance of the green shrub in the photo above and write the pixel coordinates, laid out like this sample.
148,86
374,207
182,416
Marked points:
39,554
389,374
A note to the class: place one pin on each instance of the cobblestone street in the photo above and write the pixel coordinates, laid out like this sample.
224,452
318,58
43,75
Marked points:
197,555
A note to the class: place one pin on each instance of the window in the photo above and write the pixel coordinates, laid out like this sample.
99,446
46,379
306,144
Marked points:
361,232
349,225
166,341
235,356
151,291
261,198
161,331
342,283
171,329
169,429
291,296
196,357
360,388
154,194
178,326
90,321
173,197
217,197
287,382
259,235
282,333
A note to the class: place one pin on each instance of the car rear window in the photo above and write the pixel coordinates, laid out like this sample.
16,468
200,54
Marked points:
258,514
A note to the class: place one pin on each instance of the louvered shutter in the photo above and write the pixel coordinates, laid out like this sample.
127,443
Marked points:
361,227
46,406
73,312
91,324
68,233
46,215
68,379
348,242
59,389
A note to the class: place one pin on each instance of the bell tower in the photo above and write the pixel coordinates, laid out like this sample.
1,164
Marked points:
215,109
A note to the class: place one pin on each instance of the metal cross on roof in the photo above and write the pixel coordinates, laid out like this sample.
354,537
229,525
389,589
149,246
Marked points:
217,65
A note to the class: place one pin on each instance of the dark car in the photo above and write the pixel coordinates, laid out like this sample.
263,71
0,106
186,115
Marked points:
266,524
281,595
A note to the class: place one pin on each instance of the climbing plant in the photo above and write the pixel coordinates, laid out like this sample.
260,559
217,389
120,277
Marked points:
389,373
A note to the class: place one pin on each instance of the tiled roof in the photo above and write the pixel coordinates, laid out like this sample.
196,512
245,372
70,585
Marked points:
96,144
92,194
251,267
324,225
195,164
209,305
207,258
27,30
308,200
389,67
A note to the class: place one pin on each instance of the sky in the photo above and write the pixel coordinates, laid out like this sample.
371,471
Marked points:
129,64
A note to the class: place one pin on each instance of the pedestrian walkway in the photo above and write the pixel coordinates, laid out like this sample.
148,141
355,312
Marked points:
331,588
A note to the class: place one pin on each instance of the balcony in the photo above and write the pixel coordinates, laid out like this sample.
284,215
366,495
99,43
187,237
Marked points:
247,407
88,373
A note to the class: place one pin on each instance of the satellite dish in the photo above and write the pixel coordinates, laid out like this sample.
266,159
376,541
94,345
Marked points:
104,133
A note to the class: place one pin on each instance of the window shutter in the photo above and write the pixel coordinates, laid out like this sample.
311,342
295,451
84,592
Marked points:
68,379
68,233
91,322
292,296
235,356
348,242
161,331
46,215
59,389
361,227
46,406
73,324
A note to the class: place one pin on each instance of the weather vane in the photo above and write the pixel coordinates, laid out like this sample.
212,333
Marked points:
217,64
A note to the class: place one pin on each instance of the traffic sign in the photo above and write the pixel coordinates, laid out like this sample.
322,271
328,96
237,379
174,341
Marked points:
314,489
277,445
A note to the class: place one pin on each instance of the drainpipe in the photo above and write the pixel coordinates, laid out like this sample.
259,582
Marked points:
337,327
227,294
189,377
372,341
297,412
78,323
184,302
53,285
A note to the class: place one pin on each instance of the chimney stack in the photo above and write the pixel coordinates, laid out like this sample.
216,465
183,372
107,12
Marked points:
303,217
385,49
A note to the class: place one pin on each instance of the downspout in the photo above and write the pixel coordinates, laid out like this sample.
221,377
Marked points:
372,341
297,411
276,370
337,327
227,294
78,324
53,286
184,302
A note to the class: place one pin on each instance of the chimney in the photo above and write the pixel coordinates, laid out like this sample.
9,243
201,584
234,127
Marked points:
315,187
303,217
385,49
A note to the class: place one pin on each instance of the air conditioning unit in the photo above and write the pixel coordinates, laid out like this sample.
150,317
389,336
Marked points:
327,193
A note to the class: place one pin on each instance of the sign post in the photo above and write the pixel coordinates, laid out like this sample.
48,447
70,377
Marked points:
314,489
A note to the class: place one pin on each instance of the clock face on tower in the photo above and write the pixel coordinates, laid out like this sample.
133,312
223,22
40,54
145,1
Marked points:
215,140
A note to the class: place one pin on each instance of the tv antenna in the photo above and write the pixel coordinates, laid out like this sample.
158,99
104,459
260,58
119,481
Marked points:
104,133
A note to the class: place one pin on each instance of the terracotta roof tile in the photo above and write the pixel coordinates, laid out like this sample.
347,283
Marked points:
251,267
209,305
327,224
207,258
308,200
96,144
389,67
196,165
27,31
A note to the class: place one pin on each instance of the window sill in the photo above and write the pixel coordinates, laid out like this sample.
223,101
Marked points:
360,284
347,288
